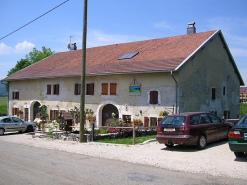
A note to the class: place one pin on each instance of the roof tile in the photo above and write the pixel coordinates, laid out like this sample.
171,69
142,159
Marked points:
154,55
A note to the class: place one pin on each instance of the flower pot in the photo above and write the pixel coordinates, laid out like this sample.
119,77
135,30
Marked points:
137,123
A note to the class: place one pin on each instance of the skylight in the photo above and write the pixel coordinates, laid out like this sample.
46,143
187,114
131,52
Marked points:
128,55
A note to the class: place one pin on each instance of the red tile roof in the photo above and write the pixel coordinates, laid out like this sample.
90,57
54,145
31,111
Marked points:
156,55
243,89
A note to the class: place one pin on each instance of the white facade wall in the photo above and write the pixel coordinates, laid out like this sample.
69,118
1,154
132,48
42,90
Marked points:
32,91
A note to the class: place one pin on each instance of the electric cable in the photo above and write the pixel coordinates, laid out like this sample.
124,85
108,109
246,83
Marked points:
34,20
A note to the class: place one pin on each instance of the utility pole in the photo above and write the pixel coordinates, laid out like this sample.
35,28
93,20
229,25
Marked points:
83,69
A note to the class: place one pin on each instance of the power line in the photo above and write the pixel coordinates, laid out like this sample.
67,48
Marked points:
34,20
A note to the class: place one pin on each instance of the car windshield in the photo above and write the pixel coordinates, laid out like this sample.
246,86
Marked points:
173,120
242,121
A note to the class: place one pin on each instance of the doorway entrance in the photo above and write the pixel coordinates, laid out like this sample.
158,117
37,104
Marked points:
35,109
107,114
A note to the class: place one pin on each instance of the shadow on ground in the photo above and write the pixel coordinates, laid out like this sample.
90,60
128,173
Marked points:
182,148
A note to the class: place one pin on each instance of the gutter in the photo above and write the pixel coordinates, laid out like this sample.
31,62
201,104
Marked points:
176,94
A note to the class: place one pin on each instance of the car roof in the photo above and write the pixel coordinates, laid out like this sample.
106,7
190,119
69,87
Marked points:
2,117
189,113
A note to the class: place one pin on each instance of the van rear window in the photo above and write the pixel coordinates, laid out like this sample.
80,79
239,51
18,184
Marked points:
173,120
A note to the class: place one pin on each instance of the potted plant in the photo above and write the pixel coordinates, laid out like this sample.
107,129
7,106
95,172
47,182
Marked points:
19,112
89,115
137,122
163,113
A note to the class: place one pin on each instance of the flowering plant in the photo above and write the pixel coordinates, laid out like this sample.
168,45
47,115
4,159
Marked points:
163,113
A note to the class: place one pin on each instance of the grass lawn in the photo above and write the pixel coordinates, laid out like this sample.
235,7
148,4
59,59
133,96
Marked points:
3,105
127,141
242,109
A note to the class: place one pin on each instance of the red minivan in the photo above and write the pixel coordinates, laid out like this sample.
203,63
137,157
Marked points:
196,128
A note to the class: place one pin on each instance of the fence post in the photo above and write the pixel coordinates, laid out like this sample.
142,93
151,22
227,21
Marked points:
92,132
134,135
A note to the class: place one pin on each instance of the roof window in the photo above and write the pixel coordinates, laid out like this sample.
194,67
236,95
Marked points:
128,55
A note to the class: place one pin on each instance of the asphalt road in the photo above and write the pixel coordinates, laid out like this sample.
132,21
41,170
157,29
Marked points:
22,164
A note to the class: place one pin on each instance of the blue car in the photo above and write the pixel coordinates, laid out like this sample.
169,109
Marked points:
238,137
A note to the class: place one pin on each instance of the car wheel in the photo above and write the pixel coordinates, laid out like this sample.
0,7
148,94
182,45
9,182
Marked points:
239,154
202,142
1,131
29,129
169,145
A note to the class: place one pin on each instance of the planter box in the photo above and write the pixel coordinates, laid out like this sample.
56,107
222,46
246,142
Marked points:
137,123
91,119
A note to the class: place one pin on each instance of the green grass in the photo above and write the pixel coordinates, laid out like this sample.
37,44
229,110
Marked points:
242,109
127,141
3,105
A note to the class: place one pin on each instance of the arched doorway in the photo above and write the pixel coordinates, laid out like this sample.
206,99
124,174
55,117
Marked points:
107,114
35,109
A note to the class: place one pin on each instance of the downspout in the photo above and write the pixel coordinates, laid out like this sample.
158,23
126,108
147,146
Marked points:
176,94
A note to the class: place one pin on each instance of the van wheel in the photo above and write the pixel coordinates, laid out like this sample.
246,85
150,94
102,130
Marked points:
1,131
239,154
201,142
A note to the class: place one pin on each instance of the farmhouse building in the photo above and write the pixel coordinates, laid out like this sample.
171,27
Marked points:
136,80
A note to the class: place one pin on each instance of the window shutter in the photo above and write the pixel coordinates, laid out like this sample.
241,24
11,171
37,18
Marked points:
48,89
76,89
50,114
13,95
113,89
104,89
17,95
57,114
153,97
146,121
213,93
91,89
57,89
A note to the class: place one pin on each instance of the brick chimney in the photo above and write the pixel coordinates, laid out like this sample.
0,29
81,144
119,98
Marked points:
191,28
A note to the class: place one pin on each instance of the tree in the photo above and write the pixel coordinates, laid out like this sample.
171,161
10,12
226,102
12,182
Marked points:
20,65
36,55
31,58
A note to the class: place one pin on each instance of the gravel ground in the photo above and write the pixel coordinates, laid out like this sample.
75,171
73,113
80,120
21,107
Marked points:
216,159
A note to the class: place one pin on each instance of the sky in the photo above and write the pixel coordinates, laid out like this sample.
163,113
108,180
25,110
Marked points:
114,22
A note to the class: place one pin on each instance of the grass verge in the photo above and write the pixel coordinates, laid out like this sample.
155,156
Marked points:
3,106
242,109
127,141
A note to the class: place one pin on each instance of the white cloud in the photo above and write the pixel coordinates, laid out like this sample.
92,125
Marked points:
24,47
19,48
5,50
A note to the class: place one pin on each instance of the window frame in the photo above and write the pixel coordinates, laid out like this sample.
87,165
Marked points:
153,97
77,89
56,89
15,95
48,89
213,93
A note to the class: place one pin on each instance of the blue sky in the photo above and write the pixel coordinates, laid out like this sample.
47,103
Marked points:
116,21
